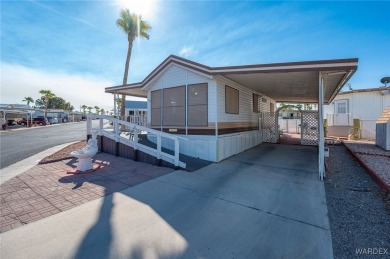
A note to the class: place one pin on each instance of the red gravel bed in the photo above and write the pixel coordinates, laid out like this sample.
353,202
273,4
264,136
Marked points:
63,153
375,159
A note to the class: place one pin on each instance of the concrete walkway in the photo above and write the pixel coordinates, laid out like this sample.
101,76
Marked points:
266,202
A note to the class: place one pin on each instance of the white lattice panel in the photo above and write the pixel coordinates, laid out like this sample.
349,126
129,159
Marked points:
309,126
268,127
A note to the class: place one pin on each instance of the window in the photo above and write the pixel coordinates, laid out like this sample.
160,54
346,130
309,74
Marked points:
131,112
197,105
174,106
156,108
231,100
255,103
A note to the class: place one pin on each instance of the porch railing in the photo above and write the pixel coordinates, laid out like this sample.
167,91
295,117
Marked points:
341,119
128,133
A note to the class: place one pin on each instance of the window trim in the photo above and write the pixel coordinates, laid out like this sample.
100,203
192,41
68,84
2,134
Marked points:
238,100
163,107
207,105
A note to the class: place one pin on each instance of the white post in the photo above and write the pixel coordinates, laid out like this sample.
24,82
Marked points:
116,129
135,136
114,104
177,152
89,125
158,146
321,144
101,126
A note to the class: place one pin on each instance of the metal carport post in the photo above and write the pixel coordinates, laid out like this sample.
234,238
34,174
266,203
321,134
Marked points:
321,142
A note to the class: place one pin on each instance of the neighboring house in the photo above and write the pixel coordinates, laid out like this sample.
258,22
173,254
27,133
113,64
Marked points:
289,114
60,114
222,111
363,104
137,108
75,116
136,112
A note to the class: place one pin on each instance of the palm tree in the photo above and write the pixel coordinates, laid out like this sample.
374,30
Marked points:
133,26
89,109
97,109
28,100
47,95
84,107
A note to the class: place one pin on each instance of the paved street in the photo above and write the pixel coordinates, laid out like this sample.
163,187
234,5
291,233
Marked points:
20,144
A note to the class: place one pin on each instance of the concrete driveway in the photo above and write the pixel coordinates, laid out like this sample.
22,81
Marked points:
266,202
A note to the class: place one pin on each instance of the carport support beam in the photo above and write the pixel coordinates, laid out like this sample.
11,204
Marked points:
321,144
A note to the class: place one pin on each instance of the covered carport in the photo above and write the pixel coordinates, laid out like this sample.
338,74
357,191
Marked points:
296,82
15,111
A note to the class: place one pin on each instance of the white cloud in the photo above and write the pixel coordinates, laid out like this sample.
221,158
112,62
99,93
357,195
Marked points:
18,82
187,51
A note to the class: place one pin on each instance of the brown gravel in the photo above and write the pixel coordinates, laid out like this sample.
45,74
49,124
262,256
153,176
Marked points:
64,153
374,157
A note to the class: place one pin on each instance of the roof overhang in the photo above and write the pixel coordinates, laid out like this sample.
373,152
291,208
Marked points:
294,82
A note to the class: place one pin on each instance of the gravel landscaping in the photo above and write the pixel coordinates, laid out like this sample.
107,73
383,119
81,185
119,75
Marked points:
374,157
359,210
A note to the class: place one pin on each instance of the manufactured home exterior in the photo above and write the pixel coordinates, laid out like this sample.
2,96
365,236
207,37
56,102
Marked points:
213,113
183,101
363,104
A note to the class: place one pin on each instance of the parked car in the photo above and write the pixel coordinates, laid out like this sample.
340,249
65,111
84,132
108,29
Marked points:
39,121
53,120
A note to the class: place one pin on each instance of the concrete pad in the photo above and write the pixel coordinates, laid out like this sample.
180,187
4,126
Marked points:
228,210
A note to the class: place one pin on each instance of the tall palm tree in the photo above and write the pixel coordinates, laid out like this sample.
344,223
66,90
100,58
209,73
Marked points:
84,107
133,26
28,100
89,109
47,95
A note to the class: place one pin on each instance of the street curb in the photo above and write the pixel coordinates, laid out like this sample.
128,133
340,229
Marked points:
378,180
37,127
22,166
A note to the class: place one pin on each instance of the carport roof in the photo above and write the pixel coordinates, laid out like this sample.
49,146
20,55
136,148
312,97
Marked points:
295,82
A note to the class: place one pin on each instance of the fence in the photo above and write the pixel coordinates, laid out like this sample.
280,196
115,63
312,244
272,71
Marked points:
130,137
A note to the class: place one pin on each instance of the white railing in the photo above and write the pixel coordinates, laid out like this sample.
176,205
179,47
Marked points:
341,119
129,135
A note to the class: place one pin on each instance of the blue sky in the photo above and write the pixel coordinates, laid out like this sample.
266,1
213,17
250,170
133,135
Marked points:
75,49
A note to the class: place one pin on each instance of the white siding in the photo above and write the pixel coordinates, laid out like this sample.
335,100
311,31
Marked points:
214,149
362,105
175,75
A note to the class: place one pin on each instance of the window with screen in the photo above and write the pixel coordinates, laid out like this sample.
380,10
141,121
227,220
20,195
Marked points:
156,108
174,106
255,103
197,105
231,100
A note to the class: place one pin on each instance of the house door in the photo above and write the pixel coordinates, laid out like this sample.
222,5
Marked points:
341,116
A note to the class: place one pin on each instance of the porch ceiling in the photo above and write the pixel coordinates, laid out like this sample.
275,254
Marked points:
292,87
